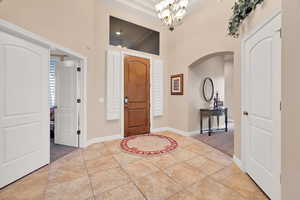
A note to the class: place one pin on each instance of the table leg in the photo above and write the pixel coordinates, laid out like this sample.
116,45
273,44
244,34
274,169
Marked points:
209,126
201,123
218,121
226,121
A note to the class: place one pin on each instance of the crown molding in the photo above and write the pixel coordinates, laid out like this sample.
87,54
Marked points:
144,6
148,6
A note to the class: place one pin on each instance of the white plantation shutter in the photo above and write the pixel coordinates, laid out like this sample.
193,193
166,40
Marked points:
113,77
157,88
53,64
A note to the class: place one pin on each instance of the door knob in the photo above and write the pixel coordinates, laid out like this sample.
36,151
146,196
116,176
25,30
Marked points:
245,113
126,100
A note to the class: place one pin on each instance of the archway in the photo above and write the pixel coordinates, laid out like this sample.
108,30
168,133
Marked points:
219,67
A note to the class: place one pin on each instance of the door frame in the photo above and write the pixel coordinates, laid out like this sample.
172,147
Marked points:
22,33
78,89
123,55
278,147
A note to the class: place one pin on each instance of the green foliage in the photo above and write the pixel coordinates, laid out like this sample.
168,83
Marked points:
241,10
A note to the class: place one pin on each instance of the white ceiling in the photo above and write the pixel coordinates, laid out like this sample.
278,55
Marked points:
148,6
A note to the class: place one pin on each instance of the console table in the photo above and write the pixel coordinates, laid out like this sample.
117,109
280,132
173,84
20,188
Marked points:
211,112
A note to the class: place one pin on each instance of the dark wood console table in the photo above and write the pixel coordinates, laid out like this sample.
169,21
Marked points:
211,112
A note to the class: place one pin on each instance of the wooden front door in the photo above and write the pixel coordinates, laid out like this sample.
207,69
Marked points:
137,96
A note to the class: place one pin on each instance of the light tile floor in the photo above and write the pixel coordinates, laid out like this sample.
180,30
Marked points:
194,171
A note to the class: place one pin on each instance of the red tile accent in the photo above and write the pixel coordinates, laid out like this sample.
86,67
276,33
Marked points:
172,146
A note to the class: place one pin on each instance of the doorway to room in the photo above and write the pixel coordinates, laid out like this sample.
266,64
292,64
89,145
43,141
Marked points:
136,96
64,100
211,101
24,89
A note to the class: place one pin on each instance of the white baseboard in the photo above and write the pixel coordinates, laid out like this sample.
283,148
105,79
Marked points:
193,133
181,132
103,139
155,130
238,162
162,129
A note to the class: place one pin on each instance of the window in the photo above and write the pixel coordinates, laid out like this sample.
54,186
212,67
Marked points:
131,36
53,64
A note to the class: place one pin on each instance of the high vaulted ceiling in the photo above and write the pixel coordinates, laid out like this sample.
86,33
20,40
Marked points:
147,6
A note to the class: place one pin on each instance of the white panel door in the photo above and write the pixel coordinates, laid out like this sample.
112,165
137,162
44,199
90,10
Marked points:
24,109
66,111
262,100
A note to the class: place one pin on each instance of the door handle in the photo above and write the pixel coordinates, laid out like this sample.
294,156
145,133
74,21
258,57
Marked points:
245,113
126,100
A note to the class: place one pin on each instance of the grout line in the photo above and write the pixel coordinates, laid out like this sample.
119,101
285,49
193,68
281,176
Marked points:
226,186
131,180
48,177
144,195
88,175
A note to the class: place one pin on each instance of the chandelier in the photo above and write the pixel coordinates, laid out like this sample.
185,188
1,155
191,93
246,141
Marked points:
171,12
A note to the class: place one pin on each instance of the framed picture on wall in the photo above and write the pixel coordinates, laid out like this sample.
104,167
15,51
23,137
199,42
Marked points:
177,84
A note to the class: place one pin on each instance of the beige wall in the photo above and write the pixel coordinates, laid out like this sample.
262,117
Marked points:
103,11
291,99
201,34
204,33
83,26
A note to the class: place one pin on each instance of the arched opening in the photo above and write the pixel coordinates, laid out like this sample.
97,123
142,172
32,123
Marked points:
219,68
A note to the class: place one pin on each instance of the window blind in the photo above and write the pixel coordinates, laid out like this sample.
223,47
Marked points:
53,64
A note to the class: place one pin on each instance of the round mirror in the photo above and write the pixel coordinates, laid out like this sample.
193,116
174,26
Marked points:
208,89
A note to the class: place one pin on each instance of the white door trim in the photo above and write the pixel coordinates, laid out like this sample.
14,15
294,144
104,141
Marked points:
123,54
17,31
243,97
83,107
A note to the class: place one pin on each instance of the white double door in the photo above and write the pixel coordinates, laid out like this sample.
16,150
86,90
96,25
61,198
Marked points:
262,115
67,108
24,109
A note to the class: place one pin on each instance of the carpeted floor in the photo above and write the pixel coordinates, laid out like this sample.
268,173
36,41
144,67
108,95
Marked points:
223,141
57,151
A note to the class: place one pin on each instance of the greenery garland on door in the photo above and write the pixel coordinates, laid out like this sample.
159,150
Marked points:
241,10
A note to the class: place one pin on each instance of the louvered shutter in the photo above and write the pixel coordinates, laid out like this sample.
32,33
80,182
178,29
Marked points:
113,100
157,88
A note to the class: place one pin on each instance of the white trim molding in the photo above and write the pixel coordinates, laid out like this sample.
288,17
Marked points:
193,133
238,162
129,53
157,88
147,7
181,132
20,32
102,139
113,84
17,31
157,130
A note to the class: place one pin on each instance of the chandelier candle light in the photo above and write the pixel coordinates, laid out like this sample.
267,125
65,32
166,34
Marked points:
171,12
